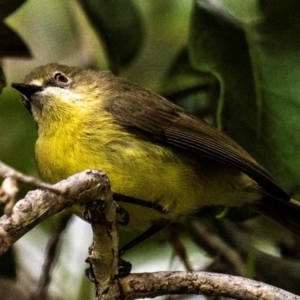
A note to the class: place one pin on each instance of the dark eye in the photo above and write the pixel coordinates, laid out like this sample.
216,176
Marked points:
61,78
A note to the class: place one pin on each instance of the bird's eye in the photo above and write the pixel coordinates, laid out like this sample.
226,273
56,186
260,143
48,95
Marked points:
61,78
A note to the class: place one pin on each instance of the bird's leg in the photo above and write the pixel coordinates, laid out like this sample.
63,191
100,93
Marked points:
123,214
89,272
124,266
140,238
149,232
143,203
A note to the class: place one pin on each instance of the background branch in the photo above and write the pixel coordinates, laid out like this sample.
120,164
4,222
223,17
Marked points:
211,284
51,257
216,247
8,192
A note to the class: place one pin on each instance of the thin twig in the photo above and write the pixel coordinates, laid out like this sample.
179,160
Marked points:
6,171
8,193
216,247
50,257
178,248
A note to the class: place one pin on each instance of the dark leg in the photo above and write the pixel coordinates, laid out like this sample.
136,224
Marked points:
124,266
143,203
123,214
140,238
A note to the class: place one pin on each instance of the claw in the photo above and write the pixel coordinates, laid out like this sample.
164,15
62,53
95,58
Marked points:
89,272
123,214
86,214
124,268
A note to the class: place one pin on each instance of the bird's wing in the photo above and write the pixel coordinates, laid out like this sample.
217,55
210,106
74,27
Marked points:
164,122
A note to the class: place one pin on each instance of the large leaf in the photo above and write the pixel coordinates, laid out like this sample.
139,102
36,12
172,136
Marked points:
9,6
11,44
256,59
119,25
193,90
2,79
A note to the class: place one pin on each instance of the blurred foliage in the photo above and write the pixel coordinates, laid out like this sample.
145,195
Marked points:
8,7
13,45
196,91
2,79
255,57
265,267
234,63
120,25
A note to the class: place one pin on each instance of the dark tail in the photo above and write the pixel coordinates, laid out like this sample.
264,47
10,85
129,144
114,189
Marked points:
286,213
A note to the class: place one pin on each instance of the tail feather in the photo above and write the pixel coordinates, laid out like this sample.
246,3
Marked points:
286,213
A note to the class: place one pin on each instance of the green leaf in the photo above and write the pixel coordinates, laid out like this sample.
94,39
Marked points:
2,79
220,48
274,47
120,26
18,133
257,62
12,45
193,90
9,6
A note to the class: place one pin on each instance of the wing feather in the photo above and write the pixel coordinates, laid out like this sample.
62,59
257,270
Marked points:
142,111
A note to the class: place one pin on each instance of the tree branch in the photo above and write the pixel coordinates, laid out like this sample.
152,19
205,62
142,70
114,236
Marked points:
6,172
211,284
39,204
91,188
103,253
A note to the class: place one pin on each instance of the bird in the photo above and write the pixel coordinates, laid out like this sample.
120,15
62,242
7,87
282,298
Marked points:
163,163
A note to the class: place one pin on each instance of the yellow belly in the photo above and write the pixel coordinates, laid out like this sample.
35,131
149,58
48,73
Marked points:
178,181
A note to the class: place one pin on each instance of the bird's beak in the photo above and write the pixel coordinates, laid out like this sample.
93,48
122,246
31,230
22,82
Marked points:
27,90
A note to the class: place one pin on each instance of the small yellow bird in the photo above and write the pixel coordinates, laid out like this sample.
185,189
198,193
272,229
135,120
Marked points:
153,152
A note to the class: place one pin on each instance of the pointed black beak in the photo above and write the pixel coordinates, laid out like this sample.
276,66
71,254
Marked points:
27,89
